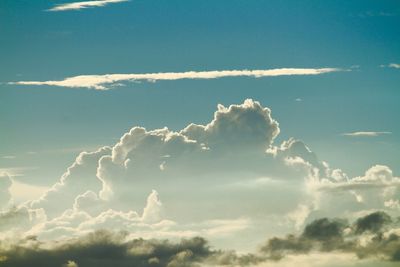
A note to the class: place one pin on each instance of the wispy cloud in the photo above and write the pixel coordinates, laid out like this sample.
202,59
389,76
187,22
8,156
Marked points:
16,171
367,134
394,65
368,14
8,157
84,4
391,65
100,82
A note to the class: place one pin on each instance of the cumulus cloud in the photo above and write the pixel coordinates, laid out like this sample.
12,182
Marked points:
84,4
79,178
234,180
103,82
366,134
376,189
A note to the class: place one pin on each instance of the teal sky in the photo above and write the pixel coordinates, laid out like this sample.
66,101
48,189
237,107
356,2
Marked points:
164,36
348,117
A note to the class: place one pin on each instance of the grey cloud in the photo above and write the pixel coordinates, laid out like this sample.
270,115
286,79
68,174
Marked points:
20,219
372,222
105,248
329,235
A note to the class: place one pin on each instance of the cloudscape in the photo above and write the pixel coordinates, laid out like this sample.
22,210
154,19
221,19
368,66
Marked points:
192,133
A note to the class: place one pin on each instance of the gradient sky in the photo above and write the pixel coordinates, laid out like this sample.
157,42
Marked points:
163,36
43,128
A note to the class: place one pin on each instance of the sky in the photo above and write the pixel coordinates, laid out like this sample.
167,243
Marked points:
236,121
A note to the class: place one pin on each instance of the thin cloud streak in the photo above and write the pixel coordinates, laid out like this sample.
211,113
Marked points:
84,4
367,134
394,65
100,82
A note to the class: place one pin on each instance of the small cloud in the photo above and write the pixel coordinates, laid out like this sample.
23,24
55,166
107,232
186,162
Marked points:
394,65
70,264
391,65
84,4
299,100
366,134
369,14
8,157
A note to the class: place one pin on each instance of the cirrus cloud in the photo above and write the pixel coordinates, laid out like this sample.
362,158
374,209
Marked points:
365,133
103,82
84,4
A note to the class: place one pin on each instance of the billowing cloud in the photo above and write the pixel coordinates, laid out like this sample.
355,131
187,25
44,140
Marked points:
84,4
376,189
103,82
79,178
234,180
367,134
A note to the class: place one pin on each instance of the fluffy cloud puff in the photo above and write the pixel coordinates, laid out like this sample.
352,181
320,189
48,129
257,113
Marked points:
235,146
377,189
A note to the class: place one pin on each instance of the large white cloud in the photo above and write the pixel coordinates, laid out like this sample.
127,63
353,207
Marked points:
215,180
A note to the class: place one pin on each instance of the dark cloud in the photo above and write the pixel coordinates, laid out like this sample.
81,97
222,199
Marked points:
372,222
106,248
327,235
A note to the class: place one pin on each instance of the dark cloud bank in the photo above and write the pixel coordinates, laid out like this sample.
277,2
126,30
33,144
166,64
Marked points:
107,248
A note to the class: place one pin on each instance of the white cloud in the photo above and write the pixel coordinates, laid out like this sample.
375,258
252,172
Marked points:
15,171
79,178
70,264
216,180
366,134
22,192
391,65
394,65
377,189
8,157
153,210
101,82
84,4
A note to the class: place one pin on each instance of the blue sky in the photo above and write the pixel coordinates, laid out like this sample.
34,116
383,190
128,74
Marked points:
44,127
164,36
